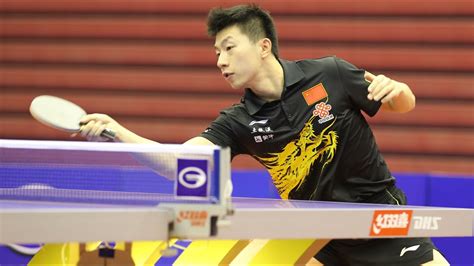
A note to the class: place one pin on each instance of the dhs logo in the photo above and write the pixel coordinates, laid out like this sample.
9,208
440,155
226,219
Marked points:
192,179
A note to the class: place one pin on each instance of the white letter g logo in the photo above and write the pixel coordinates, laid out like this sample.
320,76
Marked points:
192,177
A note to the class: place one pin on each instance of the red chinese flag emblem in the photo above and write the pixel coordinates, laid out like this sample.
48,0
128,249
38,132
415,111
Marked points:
315,94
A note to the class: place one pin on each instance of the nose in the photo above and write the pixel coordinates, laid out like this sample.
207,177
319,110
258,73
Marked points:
222,61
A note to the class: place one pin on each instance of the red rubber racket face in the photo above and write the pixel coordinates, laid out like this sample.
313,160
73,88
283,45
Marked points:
57,113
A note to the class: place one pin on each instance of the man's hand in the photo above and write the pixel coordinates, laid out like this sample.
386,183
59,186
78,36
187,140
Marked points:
381,88
94,125
394,95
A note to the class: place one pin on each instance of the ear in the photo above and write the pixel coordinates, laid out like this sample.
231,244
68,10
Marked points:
265,47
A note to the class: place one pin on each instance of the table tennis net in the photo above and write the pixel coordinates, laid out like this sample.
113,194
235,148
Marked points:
109,173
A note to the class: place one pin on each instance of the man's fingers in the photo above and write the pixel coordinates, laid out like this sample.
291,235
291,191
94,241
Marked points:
87,118
91,117
373,88
382,88
98,130
381,93
92,126
369,76
87,127
390,96
375,82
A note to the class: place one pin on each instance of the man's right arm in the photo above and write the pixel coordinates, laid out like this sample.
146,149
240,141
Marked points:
96,123
198,141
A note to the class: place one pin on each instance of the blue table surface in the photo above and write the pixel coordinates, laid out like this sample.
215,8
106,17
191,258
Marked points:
237,203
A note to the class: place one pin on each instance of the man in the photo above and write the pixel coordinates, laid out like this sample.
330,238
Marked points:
302,120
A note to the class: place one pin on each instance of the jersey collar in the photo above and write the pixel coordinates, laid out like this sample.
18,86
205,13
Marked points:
293,74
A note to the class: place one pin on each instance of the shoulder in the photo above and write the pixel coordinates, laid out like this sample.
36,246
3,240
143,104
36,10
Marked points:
234,109
233,114
319,65
326,61
317,62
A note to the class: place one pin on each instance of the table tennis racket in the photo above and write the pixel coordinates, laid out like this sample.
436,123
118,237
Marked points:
61,114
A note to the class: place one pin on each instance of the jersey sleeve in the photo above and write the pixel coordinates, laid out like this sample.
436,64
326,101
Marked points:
220,133
356,86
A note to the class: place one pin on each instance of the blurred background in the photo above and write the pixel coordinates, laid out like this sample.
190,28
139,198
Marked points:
150,65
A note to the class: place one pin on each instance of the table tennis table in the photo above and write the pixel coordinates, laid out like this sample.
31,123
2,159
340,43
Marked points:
252,229
252,218
42,222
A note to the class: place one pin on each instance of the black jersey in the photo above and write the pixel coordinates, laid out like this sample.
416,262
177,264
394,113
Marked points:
314,141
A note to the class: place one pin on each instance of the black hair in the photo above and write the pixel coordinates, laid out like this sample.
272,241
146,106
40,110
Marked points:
253,21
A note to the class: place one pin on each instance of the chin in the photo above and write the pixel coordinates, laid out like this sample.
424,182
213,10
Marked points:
235,86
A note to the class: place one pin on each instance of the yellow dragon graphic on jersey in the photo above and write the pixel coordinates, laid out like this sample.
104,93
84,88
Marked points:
289,167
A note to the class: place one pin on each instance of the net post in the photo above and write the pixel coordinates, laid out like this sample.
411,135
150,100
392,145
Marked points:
224,179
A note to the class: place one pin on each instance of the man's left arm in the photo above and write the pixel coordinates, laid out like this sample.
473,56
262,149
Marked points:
395,96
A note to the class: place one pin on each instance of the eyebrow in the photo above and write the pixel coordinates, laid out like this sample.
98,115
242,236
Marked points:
223,41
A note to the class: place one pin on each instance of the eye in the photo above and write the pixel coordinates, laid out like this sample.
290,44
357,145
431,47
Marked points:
218,54
228,48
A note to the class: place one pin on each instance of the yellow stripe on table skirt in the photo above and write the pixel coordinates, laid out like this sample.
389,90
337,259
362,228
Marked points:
57,254
147,253
285,252
144,253
210,252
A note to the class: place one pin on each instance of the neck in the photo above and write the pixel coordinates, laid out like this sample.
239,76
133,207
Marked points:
270,80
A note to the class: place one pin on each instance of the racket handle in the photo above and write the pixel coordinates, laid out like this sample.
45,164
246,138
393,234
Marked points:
108,133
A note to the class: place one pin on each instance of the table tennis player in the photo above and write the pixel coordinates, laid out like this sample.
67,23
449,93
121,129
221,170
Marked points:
303,121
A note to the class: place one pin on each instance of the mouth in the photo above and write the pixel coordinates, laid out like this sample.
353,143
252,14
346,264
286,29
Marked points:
227,76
